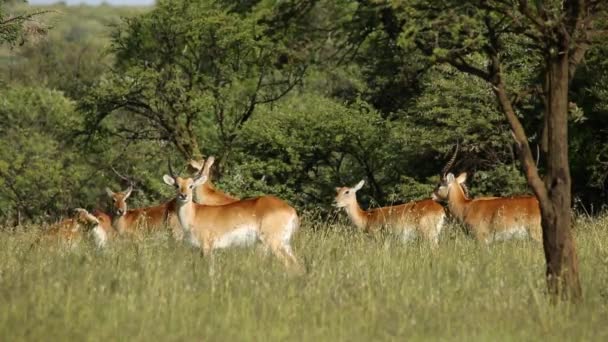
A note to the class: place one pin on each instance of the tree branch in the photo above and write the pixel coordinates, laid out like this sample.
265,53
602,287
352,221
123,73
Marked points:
527,12
519,134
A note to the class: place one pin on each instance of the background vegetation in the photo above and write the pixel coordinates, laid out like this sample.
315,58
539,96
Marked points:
294,99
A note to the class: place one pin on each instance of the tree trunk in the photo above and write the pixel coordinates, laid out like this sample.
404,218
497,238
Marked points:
554,193
558,242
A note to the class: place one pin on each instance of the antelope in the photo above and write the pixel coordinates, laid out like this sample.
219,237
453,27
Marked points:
104,231
70,230
264,219
424,218
489,218
150,218
206,193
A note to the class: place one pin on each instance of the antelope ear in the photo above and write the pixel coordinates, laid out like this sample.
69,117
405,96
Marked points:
207,167
338,189
109,192
449,177
169,180
199,181
128,192
359,185
196,165
461,178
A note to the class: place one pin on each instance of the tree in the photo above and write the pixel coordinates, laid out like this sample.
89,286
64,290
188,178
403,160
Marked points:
192,74
307,145
17,27
72,56
41,168
559,33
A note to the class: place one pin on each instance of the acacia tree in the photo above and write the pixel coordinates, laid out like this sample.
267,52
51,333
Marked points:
475,37
17,25
189,72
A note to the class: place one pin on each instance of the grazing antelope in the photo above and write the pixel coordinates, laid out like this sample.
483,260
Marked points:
104,231
70,231
424,218
264,219
206,193
489,218
149,218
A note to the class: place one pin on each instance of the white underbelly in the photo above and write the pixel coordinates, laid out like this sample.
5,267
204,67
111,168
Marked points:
408,234
513,233
242,236
100,236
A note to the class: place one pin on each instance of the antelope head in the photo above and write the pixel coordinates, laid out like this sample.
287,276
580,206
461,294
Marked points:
345,195
443,189
119,200
185,186
440,193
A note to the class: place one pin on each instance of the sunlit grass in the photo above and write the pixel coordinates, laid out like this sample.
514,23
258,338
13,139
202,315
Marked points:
356,288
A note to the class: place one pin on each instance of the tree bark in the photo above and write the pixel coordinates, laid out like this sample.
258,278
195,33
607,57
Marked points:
558,242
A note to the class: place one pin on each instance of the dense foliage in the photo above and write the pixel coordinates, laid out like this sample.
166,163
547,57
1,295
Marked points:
294,99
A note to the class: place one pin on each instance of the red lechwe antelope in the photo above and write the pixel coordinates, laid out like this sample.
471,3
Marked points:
489,218
424,218
264,219
71,230
206,193
104,231
148,219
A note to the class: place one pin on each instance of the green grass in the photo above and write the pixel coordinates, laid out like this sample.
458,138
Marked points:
356,288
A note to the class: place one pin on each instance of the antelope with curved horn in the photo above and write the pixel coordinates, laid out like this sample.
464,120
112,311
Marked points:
148,218
417,218
489,218
207,193
264,219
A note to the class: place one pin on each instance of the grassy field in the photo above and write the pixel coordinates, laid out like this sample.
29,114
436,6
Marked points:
356,288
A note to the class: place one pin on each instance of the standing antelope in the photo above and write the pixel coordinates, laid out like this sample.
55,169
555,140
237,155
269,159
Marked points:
149,218
264,219
206,193
408,220
489,218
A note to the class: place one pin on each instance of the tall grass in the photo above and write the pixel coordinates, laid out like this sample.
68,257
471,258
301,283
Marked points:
356,288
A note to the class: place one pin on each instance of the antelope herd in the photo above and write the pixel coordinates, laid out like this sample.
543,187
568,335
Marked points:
210,219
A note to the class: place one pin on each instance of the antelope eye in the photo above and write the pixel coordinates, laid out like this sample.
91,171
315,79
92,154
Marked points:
190,186
114,200
347,192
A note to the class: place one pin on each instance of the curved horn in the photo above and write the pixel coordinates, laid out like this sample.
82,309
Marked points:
125,178
450,163
466,190
171,172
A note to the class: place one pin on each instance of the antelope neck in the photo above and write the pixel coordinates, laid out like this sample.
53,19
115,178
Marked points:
457,201
118,222
356,214
203,191
184,213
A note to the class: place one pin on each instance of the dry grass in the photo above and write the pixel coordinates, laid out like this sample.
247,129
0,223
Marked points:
356,288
